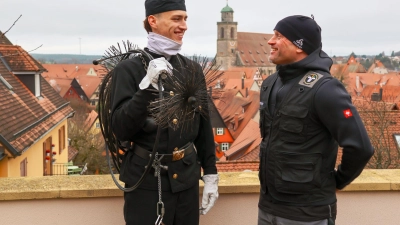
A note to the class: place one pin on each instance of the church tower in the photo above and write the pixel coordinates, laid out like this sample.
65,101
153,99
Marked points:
227,39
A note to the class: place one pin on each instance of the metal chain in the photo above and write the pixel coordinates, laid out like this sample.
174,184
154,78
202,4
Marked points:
160,211
144,62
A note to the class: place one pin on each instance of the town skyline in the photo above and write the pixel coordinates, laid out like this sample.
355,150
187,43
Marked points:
90,27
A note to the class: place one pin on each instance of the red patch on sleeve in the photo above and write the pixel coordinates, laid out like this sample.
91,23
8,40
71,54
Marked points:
347,113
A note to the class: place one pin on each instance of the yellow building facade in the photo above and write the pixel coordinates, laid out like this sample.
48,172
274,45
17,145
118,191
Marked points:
32,162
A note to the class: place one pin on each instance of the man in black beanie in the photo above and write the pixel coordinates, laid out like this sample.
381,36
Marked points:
305,114
172,186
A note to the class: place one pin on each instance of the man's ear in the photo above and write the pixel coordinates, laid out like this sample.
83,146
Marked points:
299,50
152,21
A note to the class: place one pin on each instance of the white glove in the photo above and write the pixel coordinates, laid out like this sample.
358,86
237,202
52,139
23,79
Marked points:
210,192
156,67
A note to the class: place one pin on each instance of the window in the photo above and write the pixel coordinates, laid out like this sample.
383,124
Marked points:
23,168
93,102
97,125
397,139
222,32
224,146
220,131
37,85
61,139
232,32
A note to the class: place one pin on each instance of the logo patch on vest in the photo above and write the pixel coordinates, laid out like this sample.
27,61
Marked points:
310,79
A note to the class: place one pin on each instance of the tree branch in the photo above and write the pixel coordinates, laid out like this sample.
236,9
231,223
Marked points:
10,27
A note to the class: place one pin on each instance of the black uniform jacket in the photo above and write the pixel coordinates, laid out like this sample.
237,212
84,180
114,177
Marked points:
305,114
131,122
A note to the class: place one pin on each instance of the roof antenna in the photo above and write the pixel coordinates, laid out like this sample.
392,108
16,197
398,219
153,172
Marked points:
312,16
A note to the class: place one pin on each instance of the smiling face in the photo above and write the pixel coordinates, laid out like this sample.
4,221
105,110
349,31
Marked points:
170,24
284,51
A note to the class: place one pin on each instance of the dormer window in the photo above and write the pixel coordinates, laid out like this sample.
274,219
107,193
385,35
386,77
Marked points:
31,81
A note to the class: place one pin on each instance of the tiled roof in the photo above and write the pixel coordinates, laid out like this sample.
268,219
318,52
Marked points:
253,49
376,64
251,154
237,166
370,79
4,40
72,153
24,118
381,126
59,73
90,120
389,93
18,60
247,141
236,109
342,70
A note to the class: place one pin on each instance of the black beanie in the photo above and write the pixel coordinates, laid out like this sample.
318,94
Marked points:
159,6
302,31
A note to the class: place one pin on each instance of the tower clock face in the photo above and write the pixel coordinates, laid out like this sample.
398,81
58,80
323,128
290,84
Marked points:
232,43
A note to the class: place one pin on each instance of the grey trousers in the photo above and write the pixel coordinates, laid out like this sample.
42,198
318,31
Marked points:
269,219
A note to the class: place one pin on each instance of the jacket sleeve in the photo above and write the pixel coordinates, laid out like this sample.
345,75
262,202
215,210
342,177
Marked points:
128,102
335,110
204,141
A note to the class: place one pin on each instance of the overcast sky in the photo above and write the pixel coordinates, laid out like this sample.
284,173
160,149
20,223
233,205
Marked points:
91,26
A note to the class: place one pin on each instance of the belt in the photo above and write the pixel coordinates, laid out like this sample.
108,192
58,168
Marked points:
175,156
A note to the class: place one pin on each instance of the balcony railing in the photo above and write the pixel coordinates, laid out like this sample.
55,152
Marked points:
60,169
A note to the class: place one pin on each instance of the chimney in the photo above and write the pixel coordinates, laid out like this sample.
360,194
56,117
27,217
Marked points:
236,121
357,82
375,97
247,92
243,82
380,93
76,68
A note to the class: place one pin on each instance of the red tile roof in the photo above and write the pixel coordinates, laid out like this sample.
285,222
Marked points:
18,60
237,111
89,76
246,142
72,153
90,120
237,166
4,40
370,79
376,64
253,49
25,118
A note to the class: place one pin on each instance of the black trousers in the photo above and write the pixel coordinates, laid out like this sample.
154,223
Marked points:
181,208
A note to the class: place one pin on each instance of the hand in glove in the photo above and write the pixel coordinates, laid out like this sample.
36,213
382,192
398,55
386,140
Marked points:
210,192
156,67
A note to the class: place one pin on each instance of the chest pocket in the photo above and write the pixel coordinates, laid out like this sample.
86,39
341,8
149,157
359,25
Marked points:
292,127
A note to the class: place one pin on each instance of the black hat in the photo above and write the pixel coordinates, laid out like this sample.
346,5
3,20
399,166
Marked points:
302,31
159,6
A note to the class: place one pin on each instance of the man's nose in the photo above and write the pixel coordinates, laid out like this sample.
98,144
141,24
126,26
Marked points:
271,41
183,25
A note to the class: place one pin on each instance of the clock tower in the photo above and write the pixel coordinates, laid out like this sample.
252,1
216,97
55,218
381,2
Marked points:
227,39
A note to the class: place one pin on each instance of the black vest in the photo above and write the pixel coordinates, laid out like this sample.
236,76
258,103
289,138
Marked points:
297,150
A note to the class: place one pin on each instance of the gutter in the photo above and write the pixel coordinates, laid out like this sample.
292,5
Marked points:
9,147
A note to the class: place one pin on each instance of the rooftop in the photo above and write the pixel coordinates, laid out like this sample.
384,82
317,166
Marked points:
227,8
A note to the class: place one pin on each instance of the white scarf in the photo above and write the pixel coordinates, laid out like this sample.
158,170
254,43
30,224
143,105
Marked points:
162,45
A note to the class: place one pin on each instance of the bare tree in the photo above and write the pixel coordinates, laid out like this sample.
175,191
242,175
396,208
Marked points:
90,145
380,119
